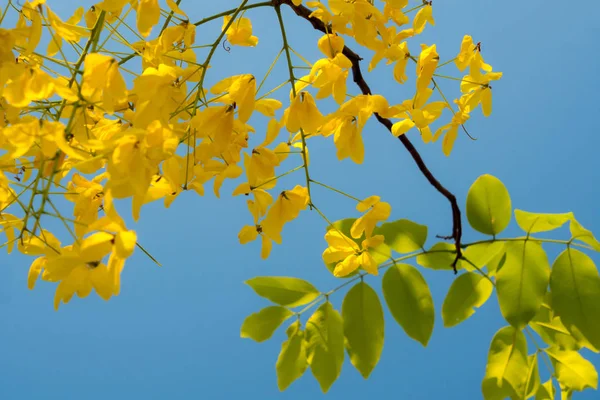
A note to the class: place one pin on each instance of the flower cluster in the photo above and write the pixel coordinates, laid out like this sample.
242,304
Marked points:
78,124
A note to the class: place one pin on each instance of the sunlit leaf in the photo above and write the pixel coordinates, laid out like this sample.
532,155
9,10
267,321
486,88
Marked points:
261,325
507,360
578,232
545,391
522,281
493,391
497,262
440,256
291,292
291,362
409,300
325,345
480,254
363,327
536,222
403,236
488,205
532,381
468,291
572,370
575,289
551,329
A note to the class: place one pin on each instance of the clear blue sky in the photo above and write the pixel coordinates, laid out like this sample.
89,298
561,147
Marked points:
174,331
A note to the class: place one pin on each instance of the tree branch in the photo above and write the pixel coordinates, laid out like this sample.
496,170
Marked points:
358,78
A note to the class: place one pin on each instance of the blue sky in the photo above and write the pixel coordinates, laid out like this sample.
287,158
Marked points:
173,332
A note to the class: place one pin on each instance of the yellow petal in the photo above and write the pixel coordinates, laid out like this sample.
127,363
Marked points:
125,242
35,270
96,246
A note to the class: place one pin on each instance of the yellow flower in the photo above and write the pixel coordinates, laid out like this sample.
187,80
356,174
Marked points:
79,268
416,113
303,114
329,76
348,255
148,15
286,208
331,45
347,123
423,16
257,208
241,90
102,80
451,129
395,50
467,50
426,65
68,31
240,32
377,211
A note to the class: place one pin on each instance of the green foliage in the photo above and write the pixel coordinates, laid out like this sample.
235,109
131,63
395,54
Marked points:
545,391
291,362
575,288
535,222
409,300
488,205
522,281
564,318
572,370
440,256
325,344
284,291
260,326
467,292
507,365
479,255
403,236
363,327
578,232
532,381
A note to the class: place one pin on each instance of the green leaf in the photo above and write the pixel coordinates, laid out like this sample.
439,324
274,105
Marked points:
494,391
261,325
488,205
522,281
572,370
440,256
535,222
578,232
363,327
545,391
467,292
496,263
480,254
409,300
551,329
290,292
575,289
325,345
507,359
403,236
532,381
291,362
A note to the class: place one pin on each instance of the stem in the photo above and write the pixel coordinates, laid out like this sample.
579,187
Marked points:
288,57
229,12
335,190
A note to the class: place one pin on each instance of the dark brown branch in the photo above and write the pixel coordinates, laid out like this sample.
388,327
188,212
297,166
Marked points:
304,12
